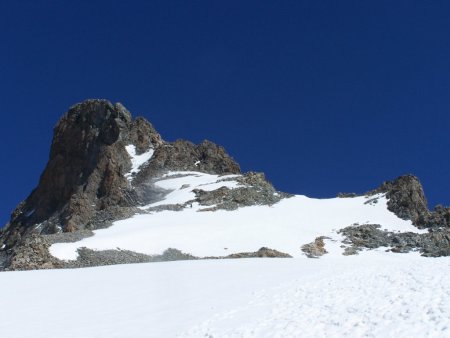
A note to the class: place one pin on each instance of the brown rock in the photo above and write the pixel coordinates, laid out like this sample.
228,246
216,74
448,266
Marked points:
84,183
261,253
315,249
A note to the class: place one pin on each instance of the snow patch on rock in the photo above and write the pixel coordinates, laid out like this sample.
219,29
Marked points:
137,160
177,183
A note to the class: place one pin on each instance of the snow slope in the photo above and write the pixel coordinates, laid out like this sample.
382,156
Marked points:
375,294
285,226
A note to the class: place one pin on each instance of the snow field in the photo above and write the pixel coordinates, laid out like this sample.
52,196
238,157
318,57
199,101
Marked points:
285,226
352,302
374,294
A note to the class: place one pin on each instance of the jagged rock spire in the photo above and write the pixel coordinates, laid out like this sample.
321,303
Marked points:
407,200
85,174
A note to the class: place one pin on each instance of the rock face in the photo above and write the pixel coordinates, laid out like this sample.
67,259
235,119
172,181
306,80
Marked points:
407,200
184,155
439,217
406,197
85,172
369,236
84,185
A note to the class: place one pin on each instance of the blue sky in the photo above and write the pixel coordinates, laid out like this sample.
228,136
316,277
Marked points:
322,96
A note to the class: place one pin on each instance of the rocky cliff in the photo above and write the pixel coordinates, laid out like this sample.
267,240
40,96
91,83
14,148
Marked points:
407,200
85,185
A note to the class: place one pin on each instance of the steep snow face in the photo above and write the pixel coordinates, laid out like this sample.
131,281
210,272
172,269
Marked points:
285,226
374,294
137,160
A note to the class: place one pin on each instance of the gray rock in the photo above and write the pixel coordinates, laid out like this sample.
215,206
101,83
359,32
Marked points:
439,217
255,190
185,156
406,197
435,243
407,200
315,249
347,195
261,253
90,258
32,253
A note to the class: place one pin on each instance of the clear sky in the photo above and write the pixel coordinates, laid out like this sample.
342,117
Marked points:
322,96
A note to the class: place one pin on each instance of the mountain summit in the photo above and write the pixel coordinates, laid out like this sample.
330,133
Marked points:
92,167
106,167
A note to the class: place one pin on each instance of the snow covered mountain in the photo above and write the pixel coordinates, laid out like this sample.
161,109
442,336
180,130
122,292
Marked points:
114,192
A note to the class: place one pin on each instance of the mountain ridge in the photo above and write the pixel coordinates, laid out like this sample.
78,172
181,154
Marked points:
91,180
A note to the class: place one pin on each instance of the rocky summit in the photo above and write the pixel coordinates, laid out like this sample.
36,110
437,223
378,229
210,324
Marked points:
105,166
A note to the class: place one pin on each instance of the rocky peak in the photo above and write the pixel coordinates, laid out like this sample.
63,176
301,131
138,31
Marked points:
184,155
143,135
86,172
406,197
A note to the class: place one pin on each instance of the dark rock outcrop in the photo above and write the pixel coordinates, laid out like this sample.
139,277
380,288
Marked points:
439,217
255,190
406,199
184,155
90,258
369,236
32,254
84,173
346,194
143,135
261,253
